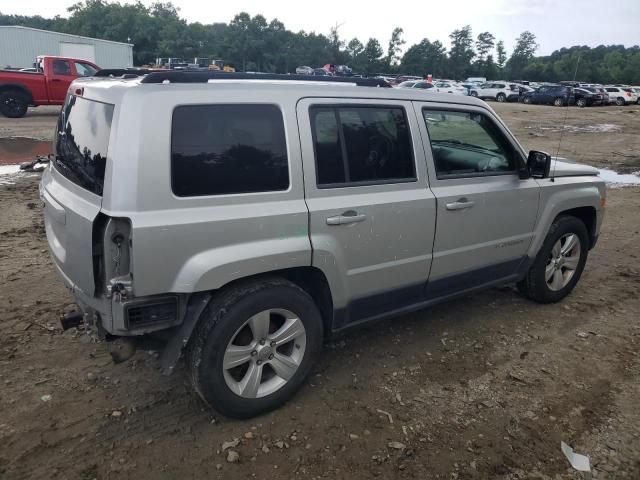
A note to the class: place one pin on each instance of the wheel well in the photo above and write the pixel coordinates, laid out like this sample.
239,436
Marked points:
311,280
19,88
588,216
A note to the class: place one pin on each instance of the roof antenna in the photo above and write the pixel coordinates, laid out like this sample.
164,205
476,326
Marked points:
564,122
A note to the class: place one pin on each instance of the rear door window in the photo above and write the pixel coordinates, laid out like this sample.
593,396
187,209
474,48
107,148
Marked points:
228,149
82,141
361,145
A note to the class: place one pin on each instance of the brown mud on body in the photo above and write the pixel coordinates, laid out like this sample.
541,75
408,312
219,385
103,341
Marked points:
14,150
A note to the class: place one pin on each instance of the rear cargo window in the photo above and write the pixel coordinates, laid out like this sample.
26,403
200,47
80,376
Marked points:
225,149
82,140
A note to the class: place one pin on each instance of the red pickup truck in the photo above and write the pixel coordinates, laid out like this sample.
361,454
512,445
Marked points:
46,86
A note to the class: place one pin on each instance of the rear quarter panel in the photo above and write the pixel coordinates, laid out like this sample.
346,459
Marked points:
189,244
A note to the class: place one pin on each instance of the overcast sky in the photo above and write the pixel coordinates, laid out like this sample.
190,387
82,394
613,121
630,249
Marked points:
556,23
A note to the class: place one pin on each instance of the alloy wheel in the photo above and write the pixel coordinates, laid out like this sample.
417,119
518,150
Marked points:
264,353
563,261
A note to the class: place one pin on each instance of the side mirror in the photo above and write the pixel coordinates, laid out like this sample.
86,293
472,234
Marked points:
538,164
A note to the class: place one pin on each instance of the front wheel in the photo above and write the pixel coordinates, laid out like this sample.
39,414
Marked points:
526,100
559,102
254,347
581,102
559,263
501,97
13,104
474,94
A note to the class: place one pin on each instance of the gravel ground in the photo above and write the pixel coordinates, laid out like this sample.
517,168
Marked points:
486,386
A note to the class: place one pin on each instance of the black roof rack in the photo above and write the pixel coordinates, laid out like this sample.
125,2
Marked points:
120,72
186,76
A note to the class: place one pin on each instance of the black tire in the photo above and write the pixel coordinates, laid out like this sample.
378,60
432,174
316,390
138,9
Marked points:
474,93
501,97
13,103
620,102
559,102
534,284
581,102
219,323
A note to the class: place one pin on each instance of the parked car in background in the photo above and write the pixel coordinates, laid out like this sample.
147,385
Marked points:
321,72
403,78
601,90
447,86
422,84
476,80
558,95
517,92
587,97
619,95
304,70
633,92
498,91
47,86
637,92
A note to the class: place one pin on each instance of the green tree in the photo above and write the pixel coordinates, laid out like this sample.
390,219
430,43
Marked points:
394,48
425,58
372,54
502,54
523,52
484,44
490,68
461,52
255,43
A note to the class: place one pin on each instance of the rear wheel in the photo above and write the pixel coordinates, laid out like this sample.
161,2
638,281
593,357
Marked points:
13,104
559,102
620,102
581,102
254,346
526,100
474,93
559,263
501,97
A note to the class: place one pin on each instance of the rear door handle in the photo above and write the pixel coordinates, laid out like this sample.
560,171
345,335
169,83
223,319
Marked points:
461,204
350,216
55,80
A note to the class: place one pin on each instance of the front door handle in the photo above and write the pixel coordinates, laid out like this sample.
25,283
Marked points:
461,204
55,80
350,216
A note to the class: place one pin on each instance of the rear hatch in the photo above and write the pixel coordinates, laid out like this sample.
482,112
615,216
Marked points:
72,187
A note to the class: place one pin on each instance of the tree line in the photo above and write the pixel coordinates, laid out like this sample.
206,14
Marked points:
256,44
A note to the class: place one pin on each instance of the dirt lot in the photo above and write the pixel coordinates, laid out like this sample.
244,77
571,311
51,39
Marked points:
482,387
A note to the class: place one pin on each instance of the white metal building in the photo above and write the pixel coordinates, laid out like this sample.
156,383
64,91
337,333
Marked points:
20,45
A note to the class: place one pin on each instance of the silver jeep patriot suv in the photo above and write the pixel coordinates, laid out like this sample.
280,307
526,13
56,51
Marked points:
245,217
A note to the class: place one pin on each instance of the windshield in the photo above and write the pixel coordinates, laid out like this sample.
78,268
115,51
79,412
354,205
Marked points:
82,139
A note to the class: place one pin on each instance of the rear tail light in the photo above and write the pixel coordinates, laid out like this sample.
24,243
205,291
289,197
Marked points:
629,94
